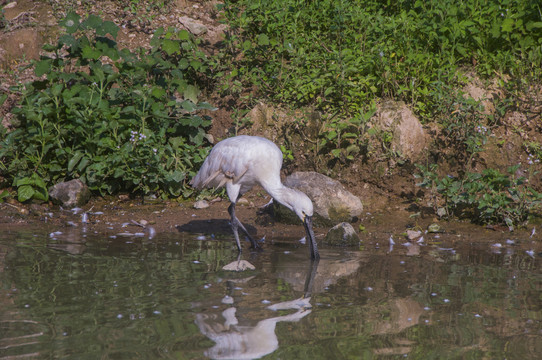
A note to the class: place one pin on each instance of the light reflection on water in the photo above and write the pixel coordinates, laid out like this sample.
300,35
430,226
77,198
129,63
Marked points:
92,297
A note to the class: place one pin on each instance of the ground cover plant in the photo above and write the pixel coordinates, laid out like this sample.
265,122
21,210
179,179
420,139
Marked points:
132,120
119,120
342,57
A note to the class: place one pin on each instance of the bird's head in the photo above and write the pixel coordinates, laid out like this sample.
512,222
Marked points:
302,205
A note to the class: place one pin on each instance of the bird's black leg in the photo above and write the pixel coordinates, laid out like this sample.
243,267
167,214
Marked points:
236,224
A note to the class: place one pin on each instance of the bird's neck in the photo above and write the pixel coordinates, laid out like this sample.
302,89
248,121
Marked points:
281,193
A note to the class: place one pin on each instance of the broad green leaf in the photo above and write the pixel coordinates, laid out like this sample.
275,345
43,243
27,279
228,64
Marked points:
336,152
74,160
41,194
4,194
67,40
533,25
191,93
71,22
24,193
3,98
158,92
170,46
91,53
92,22
108,27
263,40
184,35
188,105
184,63
42,67
507,25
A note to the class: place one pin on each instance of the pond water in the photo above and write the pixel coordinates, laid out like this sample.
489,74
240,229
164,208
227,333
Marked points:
83,296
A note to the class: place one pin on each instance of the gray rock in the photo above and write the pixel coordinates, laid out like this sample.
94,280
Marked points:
70,194
201,204
194,26
342,234
332,202
408,137
413,234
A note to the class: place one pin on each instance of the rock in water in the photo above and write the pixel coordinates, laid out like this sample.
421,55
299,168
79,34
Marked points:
70,194
342,234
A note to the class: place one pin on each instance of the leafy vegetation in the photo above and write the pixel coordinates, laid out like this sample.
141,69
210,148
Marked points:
340,55
487,197
133,121
116,119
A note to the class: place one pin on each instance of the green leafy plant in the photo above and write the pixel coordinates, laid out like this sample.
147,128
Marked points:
4,195
116,119
338,56
345,139
486,197
464,126
31,187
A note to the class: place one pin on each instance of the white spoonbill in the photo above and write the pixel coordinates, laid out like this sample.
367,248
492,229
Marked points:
239,163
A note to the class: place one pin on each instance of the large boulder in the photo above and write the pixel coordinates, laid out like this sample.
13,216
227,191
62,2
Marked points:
333,204
70,194
408,137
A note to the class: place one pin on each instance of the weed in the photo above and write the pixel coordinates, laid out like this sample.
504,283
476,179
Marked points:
486,197
113,118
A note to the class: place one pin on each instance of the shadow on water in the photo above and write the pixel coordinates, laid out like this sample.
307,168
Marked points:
77,295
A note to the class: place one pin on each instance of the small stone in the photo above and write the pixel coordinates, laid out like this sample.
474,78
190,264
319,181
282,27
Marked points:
70,194
201,204
227,300
342,234
434,228
413,234
194,26
242,201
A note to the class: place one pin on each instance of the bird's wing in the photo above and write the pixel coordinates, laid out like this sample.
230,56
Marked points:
224,163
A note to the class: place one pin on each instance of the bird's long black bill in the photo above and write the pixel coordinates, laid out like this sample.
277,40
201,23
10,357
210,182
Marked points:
312,239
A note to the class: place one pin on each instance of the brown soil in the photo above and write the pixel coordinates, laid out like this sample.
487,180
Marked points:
388,191
121,217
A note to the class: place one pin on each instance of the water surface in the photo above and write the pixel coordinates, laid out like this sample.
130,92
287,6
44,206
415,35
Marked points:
81,296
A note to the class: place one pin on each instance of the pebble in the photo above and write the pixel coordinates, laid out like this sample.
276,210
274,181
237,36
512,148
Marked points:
201,204
413,234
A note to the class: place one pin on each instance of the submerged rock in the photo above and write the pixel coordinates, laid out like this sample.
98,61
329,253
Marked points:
332,202
70,194
342,234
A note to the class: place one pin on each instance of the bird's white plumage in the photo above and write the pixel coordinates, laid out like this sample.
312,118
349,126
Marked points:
239,163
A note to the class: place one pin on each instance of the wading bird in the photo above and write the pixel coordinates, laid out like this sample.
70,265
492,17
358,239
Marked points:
239,163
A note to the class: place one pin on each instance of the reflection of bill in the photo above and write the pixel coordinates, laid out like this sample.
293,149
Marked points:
234,341
247,342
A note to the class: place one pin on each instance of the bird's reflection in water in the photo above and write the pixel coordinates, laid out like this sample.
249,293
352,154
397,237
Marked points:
251,342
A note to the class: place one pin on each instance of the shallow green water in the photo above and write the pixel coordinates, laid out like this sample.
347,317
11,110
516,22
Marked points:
81,296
